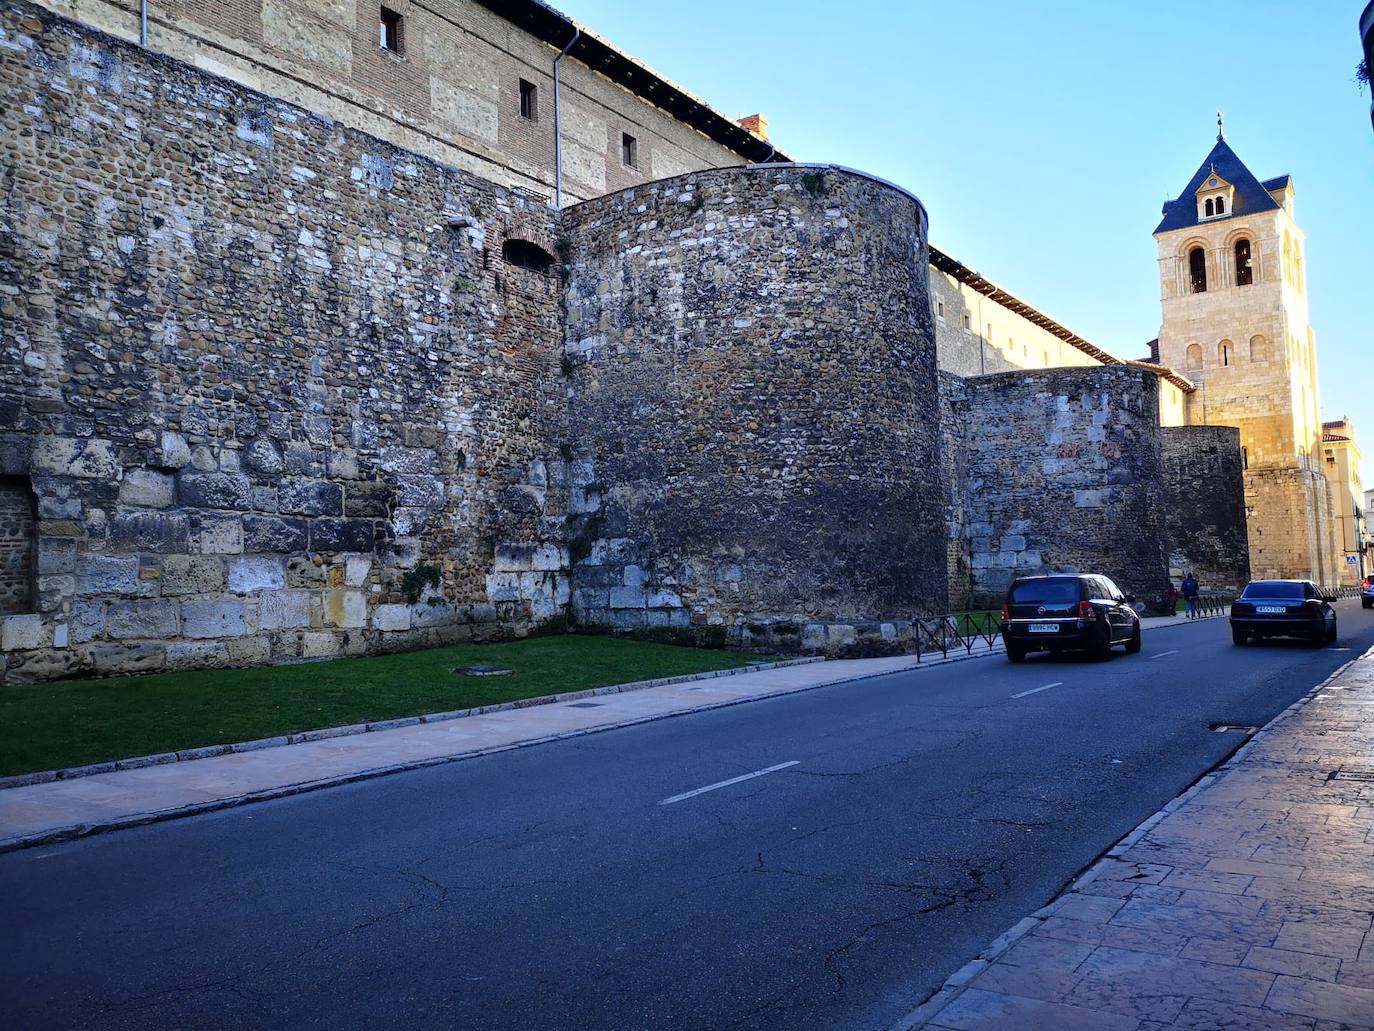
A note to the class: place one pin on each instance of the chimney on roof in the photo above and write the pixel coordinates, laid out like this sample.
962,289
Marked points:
757,124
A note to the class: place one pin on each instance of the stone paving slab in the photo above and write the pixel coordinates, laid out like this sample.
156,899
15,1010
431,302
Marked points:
38,813
1248,902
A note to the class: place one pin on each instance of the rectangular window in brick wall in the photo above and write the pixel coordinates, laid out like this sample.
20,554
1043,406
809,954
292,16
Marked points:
16,546
389,30
629,150
529,101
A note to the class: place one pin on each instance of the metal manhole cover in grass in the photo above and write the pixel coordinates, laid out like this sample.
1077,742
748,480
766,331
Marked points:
585,705
483,671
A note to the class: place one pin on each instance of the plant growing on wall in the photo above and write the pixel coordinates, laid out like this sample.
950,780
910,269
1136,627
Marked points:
813,182
413,584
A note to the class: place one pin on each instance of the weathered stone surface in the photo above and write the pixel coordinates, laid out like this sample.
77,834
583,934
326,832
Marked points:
213,618
817,401
1205,505
391,617
280,610
192,574
215,490
107,574
217,534
249,574
368,498
309,497
343,535
275,533
147,488
146,619
162,533
65,456
18,632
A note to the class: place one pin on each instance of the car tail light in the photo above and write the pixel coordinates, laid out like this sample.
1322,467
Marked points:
1006,613
1085,610
1237,608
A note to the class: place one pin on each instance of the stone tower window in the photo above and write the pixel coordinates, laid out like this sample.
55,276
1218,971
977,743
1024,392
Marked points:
629,150
17,546
1208,207
389,30
1221,205
1224,351
1245,273
529,101
1193,356
1245,458
1259,349
1197,270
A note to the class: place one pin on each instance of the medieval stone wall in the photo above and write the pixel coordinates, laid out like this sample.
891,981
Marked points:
755,402
1064,474
256,368
1205,505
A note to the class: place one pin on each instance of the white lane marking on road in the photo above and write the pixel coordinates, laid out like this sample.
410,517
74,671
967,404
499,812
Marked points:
1034,690
1171,651
727,783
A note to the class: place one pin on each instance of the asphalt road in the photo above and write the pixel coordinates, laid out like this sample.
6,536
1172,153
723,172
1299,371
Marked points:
551,887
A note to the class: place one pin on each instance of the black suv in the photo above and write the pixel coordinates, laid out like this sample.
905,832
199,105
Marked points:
1283,608
1060,613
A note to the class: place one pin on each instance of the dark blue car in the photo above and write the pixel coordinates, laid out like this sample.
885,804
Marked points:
1283,608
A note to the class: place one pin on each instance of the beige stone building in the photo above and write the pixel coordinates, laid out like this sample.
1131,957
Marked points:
467,82
1341,463
1234,293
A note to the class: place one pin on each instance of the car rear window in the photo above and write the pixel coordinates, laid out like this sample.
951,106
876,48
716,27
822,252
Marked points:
1273,590
1041,592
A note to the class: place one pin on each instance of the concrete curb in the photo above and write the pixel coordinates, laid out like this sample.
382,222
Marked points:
21,780
73,831
956,983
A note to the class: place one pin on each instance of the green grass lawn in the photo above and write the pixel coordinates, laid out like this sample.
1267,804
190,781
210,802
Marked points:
72,723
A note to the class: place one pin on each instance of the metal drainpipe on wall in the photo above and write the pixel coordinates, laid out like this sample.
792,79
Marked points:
143,23
558,125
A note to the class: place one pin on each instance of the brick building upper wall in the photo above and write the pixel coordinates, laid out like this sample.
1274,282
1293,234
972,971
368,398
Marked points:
452,88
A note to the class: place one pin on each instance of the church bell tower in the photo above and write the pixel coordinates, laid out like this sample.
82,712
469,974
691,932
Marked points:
1234,293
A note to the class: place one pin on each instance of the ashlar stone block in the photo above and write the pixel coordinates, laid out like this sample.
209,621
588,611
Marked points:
249,574
148,619
222,617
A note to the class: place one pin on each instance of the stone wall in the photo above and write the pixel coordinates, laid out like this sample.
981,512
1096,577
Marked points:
754,393
1064,474
16,546
257,368
1205,505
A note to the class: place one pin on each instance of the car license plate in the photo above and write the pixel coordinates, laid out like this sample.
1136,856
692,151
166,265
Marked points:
1276,609
1044,628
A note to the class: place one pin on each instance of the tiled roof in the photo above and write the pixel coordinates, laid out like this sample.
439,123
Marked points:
558,31
1250,194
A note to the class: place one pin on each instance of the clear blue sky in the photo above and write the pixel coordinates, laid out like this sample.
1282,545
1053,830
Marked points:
1043,137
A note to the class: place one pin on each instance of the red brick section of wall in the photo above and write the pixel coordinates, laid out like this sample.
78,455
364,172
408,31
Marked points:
16,547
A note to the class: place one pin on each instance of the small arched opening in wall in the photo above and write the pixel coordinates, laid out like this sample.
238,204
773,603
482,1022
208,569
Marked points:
1225,350
527,255
1197,270
1193,356
1259,348
18,546
1245,271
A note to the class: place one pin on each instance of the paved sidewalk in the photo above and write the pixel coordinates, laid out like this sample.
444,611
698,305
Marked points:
1245,903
